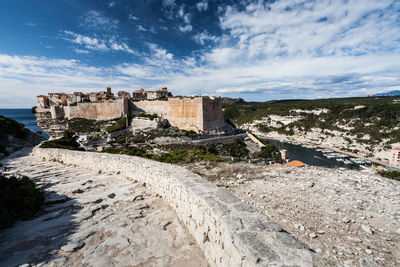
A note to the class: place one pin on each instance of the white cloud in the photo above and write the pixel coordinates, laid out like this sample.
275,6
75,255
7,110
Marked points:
96,44
185,28
132,17
285,49
168,3
111,4
81,51
95,20
202,6
203,37
31,24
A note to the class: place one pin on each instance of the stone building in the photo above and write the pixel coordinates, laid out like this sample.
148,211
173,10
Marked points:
395,159
143,95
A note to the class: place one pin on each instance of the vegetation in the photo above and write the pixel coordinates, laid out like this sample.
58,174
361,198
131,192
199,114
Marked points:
20,199
33,110
395,175
68,141
150,116
12,127
83,125
120,125
377,120
146,136
187,156
131,151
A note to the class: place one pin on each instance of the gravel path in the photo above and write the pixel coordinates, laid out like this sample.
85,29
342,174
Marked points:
93,219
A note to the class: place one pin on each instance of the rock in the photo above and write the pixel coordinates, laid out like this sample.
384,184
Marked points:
112,195
367,229
368,251
321,232
346,220
302,228
313,235
240,176
367,262
71,247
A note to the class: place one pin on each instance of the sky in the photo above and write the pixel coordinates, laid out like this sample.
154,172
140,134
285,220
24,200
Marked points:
257,50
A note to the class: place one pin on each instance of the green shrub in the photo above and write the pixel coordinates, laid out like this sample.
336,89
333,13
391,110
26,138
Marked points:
131,151
33,110
19,200
187,156
11,127
120,125
68,141
269,151
395,175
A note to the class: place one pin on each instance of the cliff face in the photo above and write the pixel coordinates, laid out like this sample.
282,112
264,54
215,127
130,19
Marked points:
53,127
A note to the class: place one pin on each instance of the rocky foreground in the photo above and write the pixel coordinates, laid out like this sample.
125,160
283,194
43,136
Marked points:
349,218
94,219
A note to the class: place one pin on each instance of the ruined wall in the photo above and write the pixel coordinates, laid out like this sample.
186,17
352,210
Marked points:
98,111
197,113
229,232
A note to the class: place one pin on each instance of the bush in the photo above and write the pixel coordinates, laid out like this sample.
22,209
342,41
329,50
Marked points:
395,175
33,110
131,151
269,151
187,156
12,127
19,200
68,141
120,125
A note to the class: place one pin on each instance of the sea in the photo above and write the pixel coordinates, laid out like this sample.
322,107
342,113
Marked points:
25,116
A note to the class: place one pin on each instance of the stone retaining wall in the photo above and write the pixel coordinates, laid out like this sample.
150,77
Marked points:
229,232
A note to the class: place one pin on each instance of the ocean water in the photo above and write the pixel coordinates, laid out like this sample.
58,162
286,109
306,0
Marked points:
24,116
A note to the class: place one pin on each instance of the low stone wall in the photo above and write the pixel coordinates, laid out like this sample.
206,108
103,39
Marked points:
229,232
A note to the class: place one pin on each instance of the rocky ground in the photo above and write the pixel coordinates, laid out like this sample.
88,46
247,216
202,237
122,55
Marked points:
349,218
94,219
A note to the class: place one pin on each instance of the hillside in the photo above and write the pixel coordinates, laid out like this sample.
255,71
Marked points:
14,135
372,129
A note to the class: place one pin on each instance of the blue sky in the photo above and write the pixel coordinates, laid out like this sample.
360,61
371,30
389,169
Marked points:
258,50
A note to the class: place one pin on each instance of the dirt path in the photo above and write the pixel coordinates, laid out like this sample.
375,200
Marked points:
93,219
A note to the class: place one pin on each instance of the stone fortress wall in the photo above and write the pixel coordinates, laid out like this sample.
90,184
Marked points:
106,110
188,113
229,232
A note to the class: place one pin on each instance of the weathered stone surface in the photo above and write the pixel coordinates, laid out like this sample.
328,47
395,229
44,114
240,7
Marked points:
229,232
133,228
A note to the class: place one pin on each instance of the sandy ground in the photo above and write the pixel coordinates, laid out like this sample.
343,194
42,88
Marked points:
93,219
349,218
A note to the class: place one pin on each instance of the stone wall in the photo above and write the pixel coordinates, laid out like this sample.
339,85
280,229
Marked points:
152,107
99,110
188,113
229,232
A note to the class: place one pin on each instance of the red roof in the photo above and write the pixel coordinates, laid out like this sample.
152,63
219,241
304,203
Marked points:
295,163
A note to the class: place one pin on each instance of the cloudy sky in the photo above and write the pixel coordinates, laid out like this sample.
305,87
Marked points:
258,50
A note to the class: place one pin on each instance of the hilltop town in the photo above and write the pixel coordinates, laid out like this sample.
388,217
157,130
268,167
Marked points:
200,114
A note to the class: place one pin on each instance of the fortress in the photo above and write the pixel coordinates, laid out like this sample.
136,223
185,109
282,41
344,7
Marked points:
200,114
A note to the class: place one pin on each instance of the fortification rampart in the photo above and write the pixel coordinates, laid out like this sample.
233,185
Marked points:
229,232
188,113
98,110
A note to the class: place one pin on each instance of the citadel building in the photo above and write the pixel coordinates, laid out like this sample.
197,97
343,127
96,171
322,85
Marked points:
200,114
